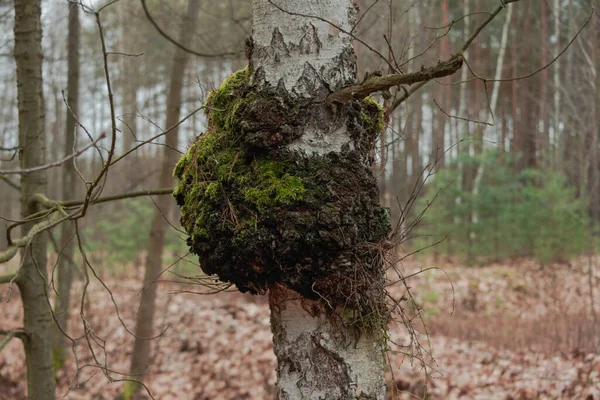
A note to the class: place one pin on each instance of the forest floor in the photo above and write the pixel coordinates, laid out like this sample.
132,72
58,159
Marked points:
506,331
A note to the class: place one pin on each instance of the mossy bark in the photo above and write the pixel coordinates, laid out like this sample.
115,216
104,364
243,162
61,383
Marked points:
261,212
277,195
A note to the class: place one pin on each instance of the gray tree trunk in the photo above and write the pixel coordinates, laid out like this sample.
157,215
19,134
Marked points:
67,243
130,79
33,276
308,57
145,317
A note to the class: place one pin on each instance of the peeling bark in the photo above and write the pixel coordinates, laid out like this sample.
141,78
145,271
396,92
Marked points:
319,358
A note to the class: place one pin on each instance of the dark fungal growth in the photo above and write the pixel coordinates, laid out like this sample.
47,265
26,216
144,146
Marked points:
258,213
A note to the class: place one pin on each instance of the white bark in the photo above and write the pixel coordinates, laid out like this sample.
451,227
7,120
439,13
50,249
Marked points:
462,106
498,74
556,72
318,358
494,99
304,53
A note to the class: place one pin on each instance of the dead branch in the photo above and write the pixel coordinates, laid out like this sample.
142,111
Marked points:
464,48
122,196
378,83
57,214
12,333
53,164
175,42
7,278
10,183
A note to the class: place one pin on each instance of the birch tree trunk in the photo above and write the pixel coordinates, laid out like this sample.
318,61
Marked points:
493,100
32,276
556,78
145,316
67,243
308,58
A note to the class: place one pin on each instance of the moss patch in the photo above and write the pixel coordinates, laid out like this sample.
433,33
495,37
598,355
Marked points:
258,214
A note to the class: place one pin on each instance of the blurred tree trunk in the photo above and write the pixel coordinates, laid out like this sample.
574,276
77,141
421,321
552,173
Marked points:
543,101
556,78
595,143
315,361
517,140
129,79
67,243
145,317
55,174
415,155
417,131
528,93
438,142
493,102
33,276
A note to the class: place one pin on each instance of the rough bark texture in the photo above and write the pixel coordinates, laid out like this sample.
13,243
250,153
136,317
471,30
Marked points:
319,359
32,276
67,243
278,194
145,316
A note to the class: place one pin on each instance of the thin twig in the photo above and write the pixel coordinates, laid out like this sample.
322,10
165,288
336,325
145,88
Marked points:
175,42
53,164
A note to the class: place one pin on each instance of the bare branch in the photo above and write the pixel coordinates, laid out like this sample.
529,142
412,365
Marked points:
12,333
156,192
140,144
10,183
7,278
464,48
53,164
175,42
461,118
9,148
377,83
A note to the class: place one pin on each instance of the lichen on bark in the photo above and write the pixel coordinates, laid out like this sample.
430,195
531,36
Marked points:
259,212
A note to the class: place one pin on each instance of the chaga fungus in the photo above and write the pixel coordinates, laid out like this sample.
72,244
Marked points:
258,213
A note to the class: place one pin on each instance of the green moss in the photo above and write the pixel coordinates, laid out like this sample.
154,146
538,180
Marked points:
213,191
257,213
431,296
274,187
59,358
222,102
129,389
373,118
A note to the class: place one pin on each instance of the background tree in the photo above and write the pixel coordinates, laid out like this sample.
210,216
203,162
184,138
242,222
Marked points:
66,265
492,198
145,316
33,275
